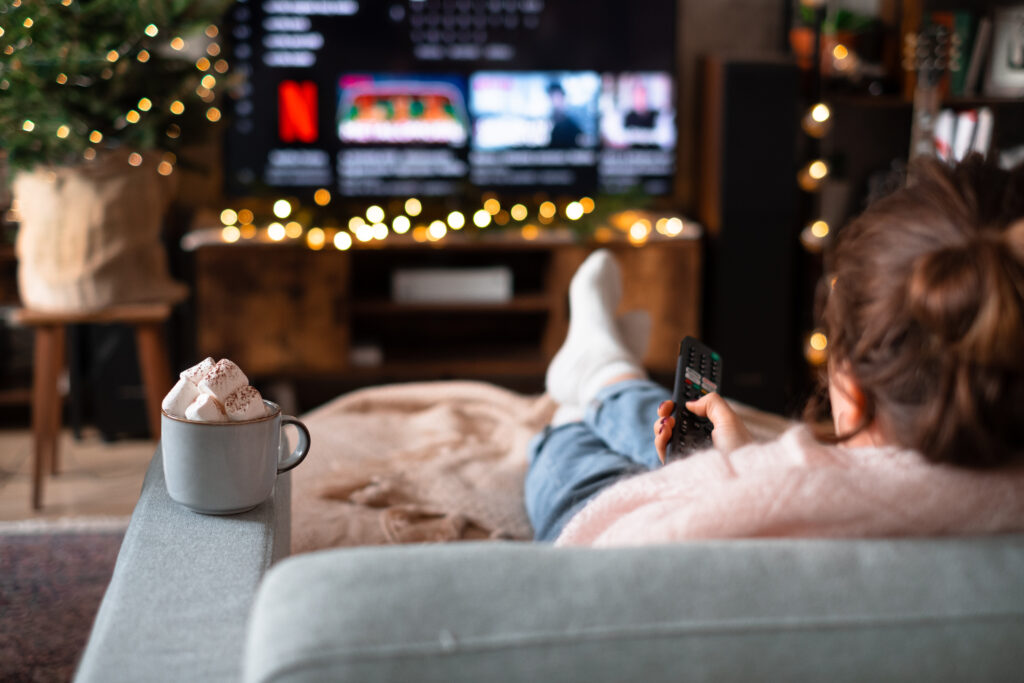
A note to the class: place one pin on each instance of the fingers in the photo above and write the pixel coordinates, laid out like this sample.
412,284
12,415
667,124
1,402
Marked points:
665,408
729,431
662,433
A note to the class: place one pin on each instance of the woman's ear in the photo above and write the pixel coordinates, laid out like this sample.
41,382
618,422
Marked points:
847,399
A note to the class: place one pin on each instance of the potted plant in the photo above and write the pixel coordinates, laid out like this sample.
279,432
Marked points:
95,96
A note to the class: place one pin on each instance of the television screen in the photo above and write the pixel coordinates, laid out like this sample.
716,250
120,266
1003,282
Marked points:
450,97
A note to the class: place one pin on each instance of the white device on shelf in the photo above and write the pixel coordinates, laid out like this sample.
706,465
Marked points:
451,285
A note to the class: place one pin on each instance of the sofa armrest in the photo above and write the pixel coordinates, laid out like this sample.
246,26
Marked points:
177,603
914,609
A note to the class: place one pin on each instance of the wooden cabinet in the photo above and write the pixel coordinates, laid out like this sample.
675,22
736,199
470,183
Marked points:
284,311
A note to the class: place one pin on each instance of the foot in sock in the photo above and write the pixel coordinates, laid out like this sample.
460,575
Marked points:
594,351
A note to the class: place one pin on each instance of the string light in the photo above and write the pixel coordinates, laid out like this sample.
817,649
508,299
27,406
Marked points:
282,208
673,226
530,232
322,197
482,218
456,220
275,231
165,168
816,121
420,233
203,64
342,241
574,211
518,212
135,159
132,116
208,81
89,154
375,214
28,126
28,22
213,49
816,348
230,233
245,216
143,56
588,204
220,66
840,52
401,225
293,229
492,206
546,210
177,44
213,114
177,107
639,231
113,56
380,231
151,30
248,231
173,131
436,230
145,104
315,239
95,137
228,217
413,207
211,31
62,79
63,131
364,232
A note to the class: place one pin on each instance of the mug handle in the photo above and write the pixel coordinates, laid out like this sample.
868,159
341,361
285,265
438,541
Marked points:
300,452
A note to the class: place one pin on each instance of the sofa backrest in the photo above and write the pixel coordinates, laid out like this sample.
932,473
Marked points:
838,610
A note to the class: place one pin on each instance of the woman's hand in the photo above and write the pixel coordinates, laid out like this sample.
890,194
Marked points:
729,432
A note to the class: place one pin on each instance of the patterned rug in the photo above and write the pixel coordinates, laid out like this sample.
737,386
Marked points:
52,578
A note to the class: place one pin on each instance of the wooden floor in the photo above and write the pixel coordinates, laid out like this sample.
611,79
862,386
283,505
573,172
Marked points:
96,479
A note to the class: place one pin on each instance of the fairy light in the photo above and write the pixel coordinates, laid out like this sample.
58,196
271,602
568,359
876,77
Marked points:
380,231
420,233
89,154
28,22
213,49
165,168
220,66
245,216
145,104
228,217
143,56
413,207
63,131
135,159
211,31
840,52
275,231
530,232
293,229
639,231
316,238
818,169
574,211
492,206
816,348
208,81
355,222
151,30
132,116
230,233
502,217
282,208
518,212
401,224
177,44
673,226
213,114
95,137
437,230
482,218
28,126
322,197
177,107
588,204
546,210
375,214
456,220
203,64
248,231
173,131
820,113
62,79
342,241
113,56
819,229
364,232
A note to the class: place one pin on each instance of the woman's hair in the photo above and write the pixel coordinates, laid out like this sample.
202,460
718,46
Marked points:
926,313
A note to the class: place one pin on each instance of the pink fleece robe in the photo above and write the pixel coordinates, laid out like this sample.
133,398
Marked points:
796,486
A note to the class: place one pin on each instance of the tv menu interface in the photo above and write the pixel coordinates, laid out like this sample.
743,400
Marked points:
380,98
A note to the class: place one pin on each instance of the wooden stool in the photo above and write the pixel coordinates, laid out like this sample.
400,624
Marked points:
148,320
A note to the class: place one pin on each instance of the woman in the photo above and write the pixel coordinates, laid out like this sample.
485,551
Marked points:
925,321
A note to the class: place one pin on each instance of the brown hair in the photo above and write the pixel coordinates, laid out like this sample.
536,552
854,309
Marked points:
926,312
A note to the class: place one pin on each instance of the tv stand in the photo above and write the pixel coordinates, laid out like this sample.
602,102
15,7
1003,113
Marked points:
283,311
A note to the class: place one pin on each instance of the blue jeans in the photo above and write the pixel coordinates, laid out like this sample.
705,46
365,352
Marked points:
572,463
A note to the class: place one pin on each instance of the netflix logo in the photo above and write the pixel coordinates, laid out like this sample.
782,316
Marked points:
297,111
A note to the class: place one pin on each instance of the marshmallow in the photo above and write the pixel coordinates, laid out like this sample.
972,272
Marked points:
179,397
205,409
245,404
224,378
196,373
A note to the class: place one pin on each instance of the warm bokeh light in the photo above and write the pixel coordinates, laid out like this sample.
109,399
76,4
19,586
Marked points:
62,79
818,341
840,52
413,206
248,230
420,233
518,212
165,168
380,231
213,49
89,154
322,197
177,44
245,216
152,30
502,217
673,226
481,218
818,169
135,159
173,131
282,208
230,233
456,220
364,232
819,229
95,137
28,126
574,211
213,114
342,241
113,56
316,238
203,64
355,222
228,217
588,204
177,107
293,229
275,231
492,206
132,116
604,234
546,210
145,104
211,31
220,66
530,232
437,230
816,348
143,56
374,214
63,132
208,81
401,224
820,113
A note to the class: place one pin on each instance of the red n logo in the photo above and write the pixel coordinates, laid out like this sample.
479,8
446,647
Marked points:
296,111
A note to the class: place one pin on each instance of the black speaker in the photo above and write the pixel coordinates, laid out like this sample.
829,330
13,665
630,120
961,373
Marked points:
749,205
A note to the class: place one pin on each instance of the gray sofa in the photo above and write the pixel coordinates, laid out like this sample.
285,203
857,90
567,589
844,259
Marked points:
189,602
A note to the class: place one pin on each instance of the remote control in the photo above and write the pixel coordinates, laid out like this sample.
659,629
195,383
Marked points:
698,372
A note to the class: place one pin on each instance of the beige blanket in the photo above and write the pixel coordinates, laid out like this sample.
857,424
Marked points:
431,461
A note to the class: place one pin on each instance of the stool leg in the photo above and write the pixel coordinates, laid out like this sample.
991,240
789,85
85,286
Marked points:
44,395
156,374
59,356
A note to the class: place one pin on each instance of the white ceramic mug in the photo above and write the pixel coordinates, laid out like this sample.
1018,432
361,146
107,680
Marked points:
222,468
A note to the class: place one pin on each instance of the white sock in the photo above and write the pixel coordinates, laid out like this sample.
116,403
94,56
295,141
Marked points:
594,352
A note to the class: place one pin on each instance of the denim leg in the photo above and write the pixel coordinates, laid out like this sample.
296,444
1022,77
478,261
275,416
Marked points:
569,465
623,414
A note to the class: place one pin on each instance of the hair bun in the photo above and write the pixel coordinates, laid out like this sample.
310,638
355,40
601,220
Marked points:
965,296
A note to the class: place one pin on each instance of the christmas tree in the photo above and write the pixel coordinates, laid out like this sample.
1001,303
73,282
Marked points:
79,76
